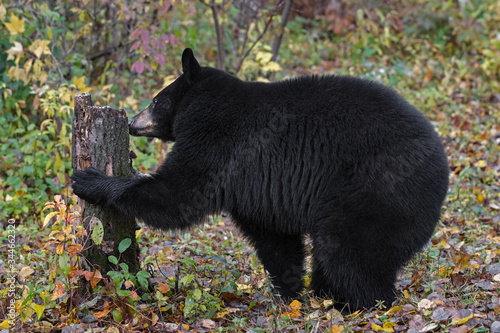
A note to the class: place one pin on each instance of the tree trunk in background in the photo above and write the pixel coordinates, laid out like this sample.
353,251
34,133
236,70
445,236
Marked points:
101,140
284,19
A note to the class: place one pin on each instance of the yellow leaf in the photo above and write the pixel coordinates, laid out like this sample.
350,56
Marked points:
27,65
48,217
68,230
406,294
49,33
394,310
388,326
16,26
480,164
307,281
26,271
79,83
458,321
112,329
15,72
242,287
376,327
480,198
337,329
40,47
272,66
38,309
263,57
5,324
186,327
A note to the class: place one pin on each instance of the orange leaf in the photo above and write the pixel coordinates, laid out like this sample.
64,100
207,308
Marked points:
60,249
74,249
163,287
133,295
94,277
58,291
104,312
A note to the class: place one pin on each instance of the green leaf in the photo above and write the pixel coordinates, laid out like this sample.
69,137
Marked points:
188,261
197,294
97,231
124,244
143,282
124,267
113,260
236,273
142,274
64,263
117,315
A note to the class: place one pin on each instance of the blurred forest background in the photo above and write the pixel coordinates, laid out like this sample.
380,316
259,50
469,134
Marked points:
443,56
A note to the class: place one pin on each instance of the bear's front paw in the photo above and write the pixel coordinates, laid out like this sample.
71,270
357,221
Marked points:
90,185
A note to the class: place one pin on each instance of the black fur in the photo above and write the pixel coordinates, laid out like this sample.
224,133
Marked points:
346,160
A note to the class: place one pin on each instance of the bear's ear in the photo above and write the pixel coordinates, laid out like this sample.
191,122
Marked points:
190,67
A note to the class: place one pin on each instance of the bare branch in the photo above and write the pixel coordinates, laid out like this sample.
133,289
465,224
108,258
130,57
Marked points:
268,23
221,54
284,19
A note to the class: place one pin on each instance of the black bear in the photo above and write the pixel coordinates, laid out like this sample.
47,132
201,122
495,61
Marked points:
345,160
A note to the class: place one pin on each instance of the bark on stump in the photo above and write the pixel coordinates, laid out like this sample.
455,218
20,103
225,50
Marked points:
101,140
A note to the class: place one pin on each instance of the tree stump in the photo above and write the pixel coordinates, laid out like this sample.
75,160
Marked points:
101,140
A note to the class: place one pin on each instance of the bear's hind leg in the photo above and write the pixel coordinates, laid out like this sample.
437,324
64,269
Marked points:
355,277
283,257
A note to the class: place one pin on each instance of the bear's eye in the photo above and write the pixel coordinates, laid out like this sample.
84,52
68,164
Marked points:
155,100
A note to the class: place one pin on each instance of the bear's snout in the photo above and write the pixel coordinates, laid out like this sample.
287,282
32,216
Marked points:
142,124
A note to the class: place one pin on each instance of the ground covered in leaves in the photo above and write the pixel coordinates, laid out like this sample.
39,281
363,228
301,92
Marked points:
442,56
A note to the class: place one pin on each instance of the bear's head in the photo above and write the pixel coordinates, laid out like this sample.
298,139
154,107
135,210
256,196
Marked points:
157,120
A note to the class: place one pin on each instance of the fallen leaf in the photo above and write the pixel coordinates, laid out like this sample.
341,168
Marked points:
429,327
208,323
59,291
314,303
39,308
336,329
42,326
440,315
26,271
154,319
457,279
417,323
461,329
425,304
458,321
394,310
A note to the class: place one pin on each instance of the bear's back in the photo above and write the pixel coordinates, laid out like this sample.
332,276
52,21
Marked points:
314,141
